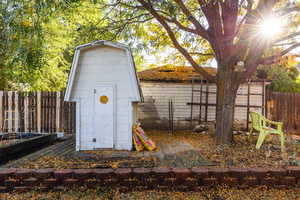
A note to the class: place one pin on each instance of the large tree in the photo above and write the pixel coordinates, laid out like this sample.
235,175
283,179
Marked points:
38,39
232,28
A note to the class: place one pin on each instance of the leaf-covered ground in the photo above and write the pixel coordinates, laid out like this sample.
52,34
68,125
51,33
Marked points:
183,149
219,193
242,153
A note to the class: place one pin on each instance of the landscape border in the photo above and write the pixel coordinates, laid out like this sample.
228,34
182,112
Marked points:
127,179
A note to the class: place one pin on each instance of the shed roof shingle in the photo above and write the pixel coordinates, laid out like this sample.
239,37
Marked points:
170,73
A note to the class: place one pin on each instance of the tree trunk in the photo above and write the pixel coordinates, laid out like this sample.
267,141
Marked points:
227,86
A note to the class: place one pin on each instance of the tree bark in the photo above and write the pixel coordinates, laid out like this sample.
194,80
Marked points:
227,86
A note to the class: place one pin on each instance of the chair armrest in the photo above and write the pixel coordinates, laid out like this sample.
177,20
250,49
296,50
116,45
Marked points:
273,122
278,124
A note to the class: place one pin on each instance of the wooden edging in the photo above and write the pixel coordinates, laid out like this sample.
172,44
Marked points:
181,179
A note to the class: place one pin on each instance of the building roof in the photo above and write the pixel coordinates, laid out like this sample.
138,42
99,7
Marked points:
168,73
99,43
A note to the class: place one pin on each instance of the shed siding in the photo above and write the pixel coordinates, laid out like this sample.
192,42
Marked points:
155,112
124,125
86,124
104,65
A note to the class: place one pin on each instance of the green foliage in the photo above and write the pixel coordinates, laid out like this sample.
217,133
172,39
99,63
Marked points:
284,79
23,50
38,41
38,37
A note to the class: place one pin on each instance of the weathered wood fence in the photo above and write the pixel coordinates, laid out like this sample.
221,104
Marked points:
284,107
44,112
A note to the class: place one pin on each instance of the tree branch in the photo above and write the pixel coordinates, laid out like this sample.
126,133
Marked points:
287,37
289,49
202,32
273,59
172,36
201,54
285,11
180,26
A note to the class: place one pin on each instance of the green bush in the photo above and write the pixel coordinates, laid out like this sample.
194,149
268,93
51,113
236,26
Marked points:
284,79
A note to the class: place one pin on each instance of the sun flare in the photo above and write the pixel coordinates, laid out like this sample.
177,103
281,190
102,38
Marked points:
271,26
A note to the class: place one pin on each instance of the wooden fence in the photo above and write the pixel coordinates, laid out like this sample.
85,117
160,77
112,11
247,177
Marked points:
46,112
284,107
43,112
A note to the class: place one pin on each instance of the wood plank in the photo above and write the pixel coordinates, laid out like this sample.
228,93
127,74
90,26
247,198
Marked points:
192,100
61,112
214,105
206,102
53,110
263,97
26,113
248,105
200,101
58,112
17,118
10,112
1,111
47,112
39,110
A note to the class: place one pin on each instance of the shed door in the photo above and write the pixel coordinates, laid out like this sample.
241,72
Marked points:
104,117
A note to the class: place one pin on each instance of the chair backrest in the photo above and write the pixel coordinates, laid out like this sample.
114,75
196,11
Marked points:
257,120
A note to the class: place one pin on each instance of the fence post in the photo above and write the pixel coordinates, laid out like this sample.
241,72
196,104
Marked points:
206,102
16,111
10,120
26,113
58,112
248,103
263,99
1,110
39,112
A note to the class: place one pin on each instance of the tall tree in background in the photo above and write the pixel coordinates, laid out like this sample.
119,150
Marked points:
22,47
38,39
234,29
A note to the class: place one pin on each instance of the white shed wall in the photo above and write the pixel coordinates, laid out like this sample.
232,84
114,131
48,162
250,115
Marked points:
104,65
154,112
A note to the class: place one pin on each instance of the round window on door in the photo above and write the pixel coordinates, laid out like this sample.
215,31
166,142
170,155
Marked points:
103,99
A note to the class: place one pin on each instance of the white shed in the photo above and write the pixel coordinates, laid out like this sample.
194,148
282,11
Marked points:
105,87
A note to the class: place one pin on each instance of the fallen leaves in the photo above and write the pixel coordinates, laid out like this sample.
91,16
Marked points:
241,154
217,193
60,162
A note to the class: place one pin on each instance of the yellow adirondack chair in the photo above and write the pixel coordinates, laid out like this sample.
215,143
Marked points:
263,126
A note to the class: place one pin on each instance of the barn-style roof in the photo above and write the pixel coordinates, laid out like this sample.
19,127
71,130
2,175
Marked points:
169,73
99,43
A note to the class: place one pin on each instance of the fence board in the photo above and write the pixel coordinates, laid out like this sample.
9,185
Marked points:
1,111
36,112
284,107
39,119
16,108
57,111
